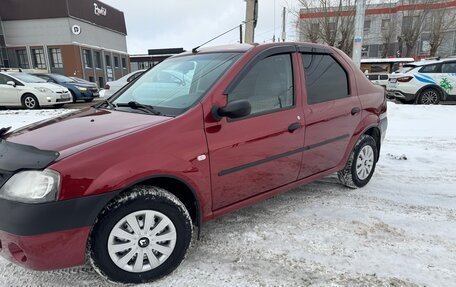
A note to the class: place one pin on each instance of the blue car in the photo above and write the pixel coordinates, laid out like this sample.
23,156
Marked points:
79,91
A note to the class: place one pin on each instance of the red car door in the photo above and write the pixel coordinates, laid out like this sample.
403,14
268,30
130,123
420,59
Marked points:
262,151
331,108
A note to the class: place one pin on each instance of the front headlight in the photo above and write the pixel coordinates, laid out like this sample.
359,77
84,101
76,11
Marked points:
44,90
82,89
32,186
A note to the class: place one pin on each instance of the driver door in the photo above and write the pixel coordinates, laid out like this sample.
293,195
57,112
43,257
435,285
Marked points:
8,94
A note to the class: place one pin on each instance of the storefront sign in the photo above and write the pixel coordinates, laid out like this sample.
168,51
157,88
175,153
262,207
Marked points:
99,11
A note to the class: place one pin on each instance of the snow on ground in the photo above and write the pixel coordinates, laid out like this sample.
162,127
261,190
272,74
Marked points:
400,230
20,118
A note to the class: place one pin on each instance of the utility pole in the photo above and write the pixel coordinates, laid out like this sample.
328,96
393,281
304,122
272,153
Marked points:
359,30
284,34
251,17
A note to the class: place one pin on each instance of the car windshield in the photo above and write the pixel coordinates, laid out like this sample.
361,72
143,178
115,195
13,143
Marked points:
27,78
63,79
174,85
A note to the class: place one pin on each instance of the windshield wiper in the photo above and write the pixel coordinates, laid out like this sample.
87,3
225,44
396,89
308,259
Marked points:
138,106
105,102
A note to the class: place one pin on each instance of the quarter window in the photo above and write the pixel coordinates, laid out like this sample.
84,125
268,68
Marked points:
430,69
449,68
326,80
268,86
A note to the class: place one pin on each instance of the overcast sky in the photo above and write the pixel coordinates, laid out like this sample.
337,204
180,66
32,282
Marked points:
153,24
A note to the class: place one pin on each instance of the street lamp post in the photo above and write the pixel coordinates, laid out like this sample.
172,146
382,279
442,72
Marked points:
359,30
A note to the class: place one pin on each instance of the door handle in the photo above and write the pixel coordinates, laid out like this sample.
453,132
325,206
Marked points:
293,127
355,110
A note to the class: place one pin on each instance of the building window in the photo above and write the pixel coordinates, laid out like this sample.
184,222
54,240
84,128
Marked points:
88,58
56,58
386,24
108,60
100,82
116,62
124,63
367,25
332,26
22,59
39,61
97,60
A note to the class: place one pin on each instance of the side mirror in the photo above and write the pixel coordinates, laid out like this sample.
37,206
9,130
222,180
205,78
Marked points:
11,83
233,110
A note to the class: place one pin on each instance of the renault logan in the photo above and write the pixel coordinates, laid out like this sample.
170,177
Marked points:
124,183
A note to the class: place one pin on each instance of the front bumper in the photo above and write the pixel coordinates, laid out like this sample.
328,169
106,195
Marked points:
55,99
49,235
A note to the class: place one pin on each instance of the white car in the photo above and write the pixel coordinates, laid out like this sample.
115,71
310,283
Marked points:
31,92
424,82
112,87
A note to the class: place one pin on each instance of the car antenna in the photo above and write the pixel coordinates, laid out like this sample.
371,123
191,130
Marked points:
195,50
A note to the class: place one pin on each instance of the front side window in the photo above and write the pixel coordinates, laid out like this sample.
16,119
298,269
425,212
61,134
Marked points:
174,85
39,62
22,59
268,86
326,80
56,58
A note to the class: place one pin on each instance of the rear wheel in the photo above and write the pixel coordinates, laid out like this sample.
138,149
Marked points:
141,236
30,102
429,97
361,163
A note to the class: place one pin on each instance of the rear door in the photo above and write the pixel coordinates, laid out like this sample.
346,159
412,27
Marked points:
447,80
332,111
262,151
8,94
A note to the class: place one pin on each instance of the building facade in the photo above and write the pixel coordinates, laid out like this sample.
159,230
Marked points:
82,38
386,26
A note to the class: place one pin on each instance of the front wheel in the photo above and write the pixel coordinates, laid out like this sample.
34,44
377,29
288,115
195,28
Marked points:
141,236
30,102
361,163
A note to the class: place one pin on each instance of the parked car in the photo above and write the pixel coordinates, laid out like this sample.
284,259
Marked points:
79,91
79,80
30,92
424,82
125,181
112,87
379,79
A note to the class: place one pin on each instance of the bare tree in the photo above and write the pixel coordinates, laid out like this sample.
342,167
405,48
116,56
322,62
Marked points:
334,27
388,29
413,19
442,21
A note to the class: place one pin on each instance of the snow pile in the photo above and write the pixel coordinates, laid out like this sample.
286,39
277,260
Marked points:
20,118
400,230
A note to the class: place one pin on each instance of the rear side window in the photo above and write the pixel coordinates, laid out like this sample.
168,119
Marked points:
383,77
268,86
372,77
326,80
430,69
449,68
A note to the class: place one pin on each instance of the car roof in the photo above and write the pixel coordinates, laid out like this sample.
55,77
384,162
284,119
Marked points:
431,62
242,48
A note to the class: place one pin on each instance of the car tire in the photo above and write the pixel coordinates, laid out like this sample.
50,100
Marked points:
73,95
30,102
59,106
123,222
361,164
429,96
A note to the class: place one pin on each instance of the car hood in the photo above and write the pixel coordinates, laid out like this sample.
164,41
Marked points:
50,86
74,132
